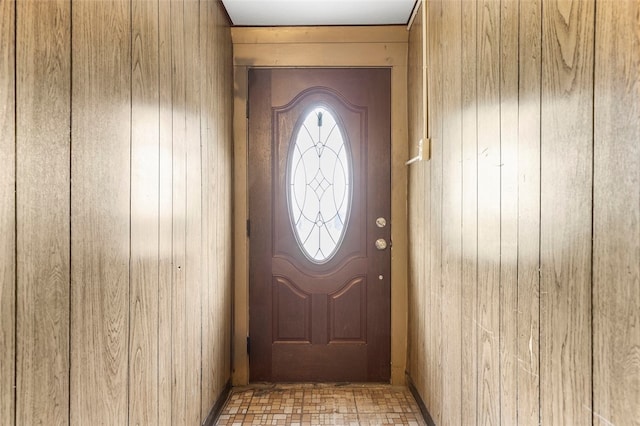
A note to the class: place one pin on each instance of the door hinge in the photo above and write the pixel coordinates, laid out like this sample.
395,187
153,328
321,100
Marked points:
248,228
248,345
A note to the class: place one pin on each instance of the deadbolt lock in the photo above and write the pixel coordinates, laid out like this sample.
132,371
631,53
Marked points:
381,244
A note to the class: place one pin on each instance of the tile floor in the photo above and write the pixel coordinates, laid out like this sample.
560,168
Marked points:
320,404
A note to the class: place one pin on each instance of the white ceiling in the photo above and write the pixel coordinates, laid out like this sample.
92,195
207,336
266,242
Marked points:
318,12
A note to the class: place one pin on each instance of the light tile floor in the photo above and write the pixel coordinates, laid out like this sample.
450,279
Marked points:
320,404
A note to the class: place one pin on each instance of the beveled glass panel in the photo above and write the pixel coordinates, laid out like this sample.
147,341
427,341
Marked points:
319,179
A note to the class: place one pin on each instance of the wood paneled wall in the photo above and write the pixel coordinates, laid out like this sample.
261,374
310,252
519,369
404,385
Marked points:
525,241
115,211
7,211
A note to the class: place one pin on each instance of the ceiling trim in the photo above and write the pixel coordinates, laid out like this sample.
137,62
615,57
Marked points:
288,35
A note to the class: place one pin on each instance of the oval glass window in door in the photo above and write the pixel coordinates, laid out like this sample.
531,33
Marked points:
319,180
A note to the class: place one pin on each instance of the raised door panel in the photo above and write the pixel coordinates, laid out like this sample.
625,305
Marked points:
291,312
348,312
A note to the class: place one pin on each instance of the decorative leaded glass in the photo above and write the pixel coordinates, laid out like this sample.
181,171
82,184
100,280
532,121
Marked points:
319,179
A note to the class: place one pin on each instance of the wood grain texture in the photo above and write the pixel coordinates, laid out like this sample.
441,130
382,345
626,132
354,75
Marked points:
399,294
240,358
224,47
42,177
528,309
469,360
434,239
218,187
415,366
145,184
179,347
488,86
528,146
7,212
207,35
566,185
260,155
333,34
509,37
424,261
452,213
193,272
225,44
322,54
109,310
616,221
224,53
165,205
100,170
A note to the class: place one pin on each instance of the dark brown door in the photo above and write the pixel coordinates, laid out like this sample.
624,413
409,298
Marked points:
319,201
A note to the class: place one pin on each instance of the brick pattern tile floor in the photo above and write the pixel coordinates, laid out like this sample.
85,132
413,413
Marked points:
320,404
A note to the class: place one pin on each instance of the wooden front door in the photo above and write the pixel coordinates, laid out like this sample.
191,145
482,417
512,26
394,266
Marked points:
319,229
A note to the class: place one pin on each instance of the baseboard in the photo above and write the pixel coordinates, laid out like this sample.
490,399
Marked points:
217,407
423,408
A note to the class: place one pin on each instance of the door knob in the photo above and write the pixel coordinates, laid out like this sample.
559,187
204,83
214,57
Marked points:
381,244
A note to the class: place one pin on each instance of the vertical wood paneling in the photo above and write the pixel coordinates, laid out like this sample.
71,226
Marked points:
566,185
469,367
165,235
116,124
207,40
532,156
509,20
179,307
424,266
143,298
7,212
229,92
434,323
218,239
452,213
222,219
216,186
528,308
488,86
193,273
424,211
42,174
423,259
100,171
227,89
416,219
425,249
616,222
224,84
224,46
228,84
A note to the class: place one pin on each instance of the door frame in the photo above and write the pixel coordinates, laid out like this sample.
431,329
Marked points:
267,47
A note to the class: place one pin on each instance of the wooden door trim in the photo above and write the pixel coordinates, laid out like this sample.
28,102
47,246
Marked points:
309,47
